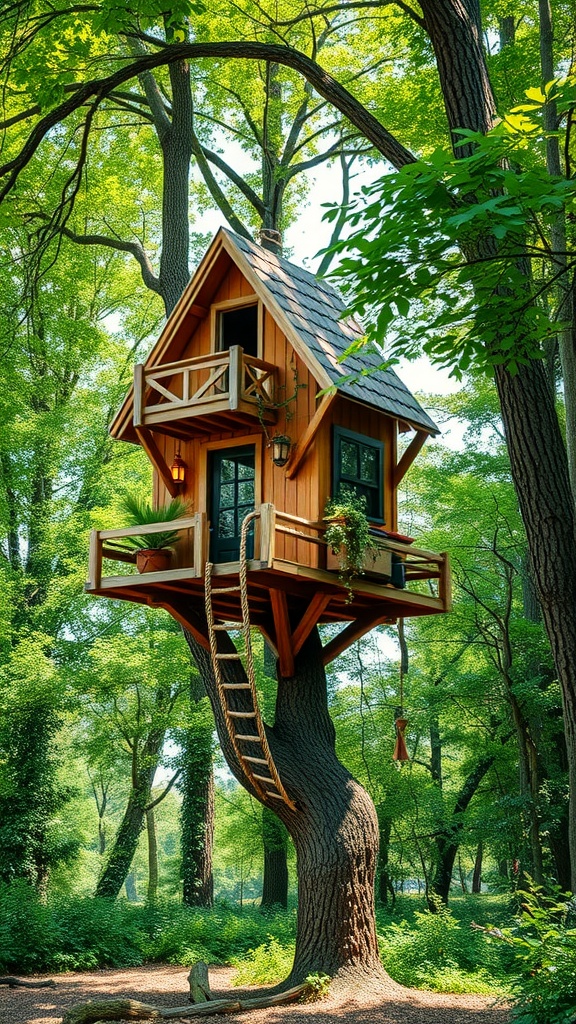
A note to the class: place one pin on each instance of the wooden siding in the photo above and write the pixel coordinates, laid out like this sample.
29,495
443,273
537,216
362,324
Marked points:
306,494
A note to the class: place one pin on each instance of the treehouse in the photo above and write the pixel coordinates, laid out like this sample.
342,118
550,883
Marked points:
245,410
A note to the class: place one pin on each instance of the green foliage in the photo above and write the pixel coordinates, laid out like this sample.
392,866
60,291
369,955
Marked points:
74,934
348,533
544,942
268,963
448,272
139,512
439,953
320,985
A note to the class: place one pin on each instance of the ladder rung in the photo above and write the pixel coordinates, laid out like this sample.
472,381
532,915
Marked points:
264,778
242,714
236,686
226,590
255,760
277,796
248,739
228,626
229,657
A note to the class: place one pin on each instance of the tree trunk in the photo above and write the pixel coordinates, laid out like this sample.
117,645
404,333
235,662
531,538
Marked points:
275,881
152,855
197,819
126,839
334,829
477,874
533,436
448,840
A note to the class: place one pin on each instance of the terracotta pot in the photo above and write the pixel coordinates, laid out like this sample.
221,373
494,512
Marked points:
153,559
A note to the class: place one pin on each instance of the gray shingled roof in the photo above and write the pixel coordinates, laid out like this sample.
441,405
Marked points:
314,308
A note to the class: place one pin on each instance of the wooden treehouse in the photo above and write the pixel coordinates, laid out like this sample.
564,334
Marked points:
244,399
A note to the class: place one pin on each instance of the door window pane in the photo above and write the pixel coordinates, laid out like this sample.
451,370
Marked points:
246,492
227,494
226,524
228,469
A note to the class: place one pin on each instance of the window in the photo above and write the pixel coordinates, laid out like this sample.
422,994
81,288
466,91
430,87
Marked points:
359,467
239,327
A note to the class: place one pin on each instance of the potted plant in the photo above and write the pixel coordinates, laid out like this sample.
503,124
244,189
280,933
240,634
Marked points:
153,550
348,535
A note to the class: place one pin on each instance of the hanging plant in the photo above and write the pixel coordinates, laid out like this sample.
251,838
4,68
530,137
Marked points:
348,534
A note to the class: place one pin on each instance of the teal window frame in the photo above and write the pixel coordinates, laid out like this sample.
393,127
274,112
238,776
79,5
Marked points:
341,480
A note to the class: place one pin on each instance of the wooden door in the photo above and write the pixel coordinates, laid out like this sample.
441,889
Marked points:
232,478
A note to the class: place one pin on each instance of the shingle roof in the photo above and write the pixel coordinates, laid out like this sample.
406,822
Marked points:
314,309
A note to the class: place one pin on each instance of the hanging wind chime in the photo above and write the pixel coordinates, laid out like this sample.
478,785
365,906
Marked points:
400,721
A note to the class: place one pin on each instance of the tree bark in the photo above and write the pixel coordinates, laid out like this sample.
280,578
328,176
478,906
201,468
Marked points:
533,436
334,829
126,839
197,820
477,874
152,837
275,881
448,841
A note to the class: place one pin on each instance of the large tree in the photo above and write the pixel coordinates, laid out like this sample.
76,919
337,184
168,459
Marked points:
335,829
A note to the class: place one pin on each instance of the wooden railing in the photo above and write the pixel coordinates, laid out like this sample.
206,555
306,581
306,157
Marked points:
188,552
212,383
387,561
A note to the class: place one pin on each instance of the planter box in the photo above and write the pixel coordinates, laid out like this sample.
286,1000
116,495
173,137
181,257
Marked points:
377,562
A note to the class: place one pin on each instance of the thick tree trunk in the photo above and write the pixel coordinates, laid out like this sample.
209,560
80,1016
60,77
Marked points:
275,843
334,829
540,473
534,440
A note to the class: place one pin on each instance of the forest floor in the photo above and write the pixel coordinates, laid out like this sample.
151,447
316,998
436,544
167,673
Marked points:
167,986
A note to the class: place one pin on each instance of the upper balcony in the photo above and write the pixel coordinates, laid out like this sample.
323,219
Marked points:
228,386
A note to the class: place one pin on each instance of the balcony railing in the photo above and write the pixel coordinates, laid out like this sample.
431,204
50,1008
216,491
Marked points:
204,385
282,541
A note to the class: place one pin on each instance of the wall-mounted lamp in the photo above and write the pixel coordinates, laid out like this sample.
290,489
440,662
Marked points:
281,446
178,469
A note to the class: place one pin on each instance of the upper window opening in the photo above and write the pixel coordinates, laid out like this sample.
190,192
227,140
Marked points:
239,327
359,467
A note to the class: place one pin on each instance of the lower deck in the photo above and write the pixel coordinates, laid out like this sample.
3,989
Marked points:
287,597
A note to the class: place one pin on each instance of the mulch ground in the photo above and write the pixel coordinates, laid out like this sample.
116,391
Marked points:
161,985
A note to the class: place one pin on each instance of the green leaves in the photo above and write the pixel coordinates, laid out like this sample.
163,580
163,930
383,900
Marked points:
450,256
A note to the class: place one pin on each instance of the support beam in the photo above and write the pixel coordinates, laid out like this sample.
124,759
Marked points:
309,620
180,613
409,455
157,459
309,434
352,633
283,633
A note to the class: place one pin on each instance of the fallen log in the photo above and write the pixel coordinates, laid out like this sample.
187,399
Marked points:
110,1009
130,1009
17,983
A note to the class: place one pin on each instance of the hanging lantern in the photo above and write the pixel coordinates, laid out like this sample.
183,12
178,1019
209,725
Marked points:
281,445
400,750
178,469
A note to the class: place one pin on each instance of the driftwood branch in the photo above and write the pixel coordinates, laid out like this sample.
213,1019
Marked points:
16,983
130,1009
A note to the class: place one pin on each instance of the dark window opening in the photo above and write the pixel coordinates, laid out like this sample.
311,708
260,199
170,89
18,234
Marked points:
239,327
359,467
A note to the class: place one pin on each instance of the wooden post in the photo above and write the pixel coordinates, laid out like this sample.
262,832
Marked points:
200,536
267,533
95,561
235,376
445,582
139,385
